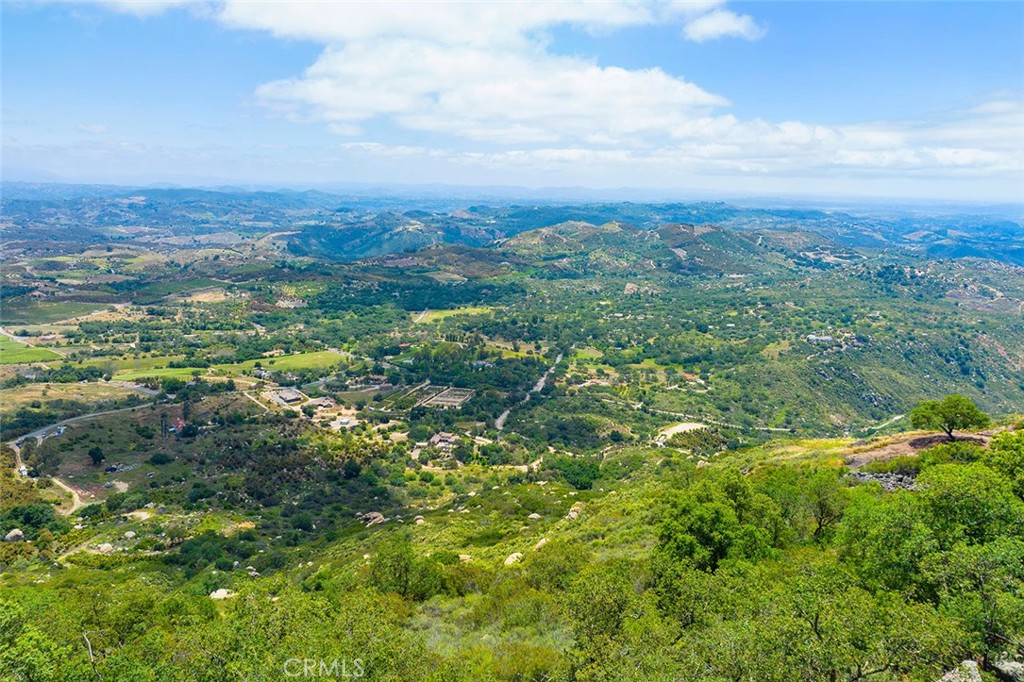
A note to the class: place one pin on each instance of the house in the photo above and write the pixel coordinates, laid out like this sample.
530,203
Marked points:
178,425
324,403
444,440
289,396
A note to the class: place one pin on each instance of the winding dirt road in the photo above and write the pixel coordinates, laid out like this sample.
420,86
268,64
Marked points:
41,434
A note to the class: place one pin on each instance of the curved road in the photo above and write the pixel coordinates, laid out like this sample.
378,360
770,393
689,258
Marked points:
40,435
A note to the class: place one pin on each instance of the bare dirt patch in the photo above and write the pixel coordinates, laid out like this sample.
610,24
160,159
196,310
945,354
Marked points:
905,446
209,296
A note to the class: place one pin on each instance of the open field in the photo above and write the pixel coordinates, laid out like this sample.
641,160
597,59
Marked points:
282,363
159,289
13,398
287,362
437,315
13,353
158,373
45,313
129,364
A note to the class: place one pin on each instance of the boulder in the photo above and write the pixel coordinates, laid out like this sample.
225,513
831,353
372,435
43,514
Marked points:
1009,671
513,558
419,520
534,516
540,543
129,535
222,593
965,672
105,548
465,558
14,536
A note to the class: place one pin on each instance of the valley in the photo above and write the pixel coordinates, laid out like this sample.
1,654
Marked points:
566,442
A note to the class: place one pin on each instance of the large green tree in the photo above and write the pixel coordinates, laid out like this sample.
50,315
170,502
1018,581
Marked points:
951,413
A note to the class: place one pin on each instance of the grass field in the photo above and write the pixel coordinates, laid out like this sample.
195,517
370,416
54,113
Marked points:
45,313
157,372
160,289
129,364
14,353
13,398
288,362
283,364
436,315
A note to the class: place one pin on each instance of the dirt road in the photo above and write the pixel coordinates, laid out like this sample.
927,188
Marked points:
41,434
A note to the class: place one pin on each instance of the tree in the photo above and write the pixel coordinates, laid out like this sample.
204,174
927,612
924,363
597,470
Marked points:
96,454
826,498
392,567
950,413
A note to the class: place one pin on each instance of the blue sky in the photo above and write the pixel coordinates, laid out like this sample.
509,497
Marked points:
913,100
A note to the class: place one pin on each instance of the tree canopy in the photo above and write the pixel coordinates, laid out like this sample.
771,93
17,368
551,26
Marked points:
949,414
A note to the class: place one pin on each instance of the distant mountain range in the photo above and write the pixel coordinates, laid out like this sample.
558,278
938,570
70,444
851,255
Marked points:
352,227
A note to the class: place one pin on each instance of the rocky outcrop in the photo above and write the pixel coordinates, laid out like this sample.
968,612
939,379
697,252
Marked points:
372,518
965,672
1009,671
889,482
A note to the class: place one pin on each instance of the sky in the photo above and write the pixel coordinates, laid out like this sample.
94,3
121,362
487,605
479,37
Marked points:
915,100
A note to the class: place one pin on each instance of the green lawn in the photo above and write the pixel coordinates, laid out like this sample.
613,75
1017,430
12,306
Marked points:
288,362
14,353
45,313
159,289
435,315
284,363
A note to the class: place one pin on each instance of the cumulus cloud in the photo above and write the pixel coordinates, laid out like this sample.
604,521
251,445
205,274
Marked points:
491,24
721,23
484,83
480,71
486,95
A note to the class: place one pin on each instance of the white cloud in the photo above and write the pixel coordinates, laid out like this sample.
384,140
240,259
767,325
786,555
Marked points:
492,24
722,23
93,128
480,71
144,8
482,83
454,90
966,143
